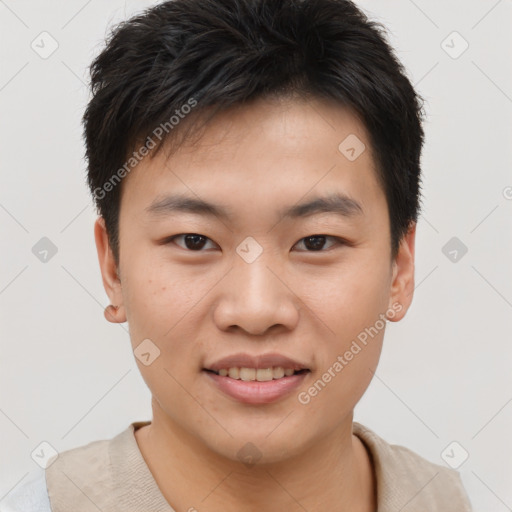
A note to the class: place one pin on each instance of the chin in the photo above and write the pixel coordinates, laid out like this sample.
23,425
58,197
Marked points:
263,445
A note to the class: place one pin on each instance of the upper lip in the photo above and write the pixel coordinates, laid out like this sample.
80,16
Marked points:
242,360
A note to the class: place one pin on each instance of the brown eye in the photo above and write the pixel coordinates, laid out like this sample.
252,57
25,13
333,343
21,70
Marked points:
191,241
316,243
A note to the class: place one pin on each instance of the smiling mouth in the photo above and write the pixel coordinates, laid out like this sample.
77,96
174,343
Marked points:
257,375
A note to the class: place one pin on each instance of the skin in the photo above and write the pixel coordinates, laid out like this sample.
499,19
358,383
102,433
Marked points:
200,305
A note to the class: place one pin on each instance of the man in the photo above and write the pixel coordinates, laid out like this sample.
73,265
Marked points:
256,169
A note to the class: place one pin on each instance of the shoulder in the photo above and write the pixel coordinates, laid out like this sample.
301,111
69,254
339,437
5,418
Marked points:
94,472
29,496
406,480
79,476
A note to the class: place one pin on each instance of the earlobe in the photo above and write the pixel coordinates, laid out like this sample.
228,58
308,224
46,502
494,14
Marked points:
402,285
115,312
110,313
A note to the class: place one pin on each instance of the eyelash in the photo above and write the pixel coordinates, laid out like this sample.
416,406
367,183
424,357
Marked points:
339,241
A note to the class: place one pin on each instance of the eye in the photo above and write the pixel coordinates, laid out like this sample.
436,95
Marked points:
196,242
192,241
315,243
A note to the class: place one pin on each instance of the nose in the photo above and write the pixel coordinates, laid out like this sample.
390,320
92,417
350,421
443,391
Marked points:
255,297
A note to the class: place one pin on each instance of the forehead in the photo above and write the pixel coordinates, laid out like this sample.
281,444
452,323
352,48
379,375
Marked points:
264,154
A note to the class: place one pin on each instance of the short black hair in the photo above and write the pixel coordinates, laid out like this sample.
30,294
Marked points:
182,59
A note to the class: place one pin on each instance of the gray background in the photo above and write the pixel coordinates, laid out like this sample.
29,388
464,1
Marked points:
68,377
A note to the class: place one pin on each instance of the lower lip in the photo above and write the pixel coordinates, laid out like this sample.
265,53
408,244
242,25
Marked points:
255,392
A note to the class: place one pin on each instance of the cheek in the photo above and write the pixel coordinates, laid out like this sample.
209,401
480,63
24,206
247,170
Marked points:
160,307
351,304
358,300
349,297
163,303
157,294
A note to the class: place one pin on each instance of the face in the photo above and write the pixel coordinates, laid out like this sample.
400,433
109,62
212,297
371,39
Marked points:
289,268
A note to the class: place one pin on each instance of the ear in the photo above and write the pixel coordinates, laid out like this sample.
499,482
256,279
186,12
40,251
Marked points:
402,284
109,273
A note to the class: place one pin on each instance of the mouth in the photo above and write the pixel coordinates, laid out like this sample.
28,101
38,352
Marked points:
257,385
257,374
256,379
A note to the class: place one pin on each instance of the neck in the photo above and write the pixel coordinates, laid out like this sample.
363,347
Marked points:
334,473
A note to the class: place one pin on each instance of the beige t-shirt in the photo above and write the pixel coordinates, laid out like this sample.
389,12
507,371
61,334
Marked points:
112,476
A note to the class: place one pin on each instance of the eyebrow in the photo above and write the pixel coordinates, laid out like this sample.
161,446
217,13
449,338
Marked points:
339,204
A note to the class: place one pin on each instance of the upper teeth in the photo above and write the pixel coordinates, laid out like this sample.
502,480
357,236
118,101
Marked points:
260,374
